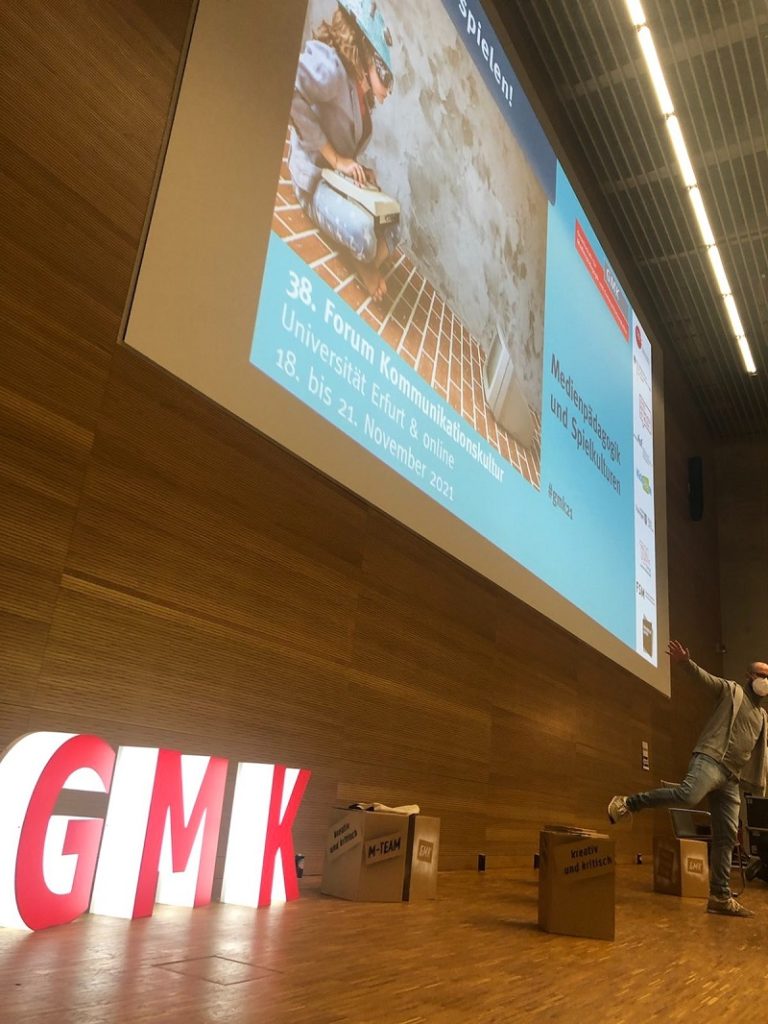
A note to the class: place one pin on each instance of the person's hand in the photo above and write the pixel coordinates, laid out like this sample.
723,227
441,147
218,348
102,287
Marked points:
370,176
677,652
352,169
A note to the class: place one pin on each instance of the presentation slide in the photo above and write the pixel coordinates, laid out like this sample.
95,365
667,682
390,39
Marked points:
430,288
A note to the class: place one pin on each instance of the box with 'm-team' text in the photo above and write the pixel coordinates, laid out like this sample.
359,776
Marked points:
378,856
577,882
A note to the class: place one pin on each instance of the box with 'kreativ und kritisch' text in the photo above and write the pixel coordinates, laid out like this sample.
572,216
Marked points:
577,882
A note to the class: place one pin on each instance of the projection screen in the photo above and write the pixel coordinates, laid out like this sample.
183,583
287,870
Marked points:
384,267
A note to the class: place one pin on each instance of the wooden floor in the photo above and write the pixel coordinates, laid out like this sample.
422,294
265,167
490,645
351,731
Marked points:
474,955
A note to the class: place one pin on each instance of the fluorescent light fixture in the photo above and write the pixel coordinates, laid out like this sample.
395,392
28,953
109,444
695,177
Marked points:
681,151
636,12
705,228
637,16
654,68
733,315
746,354
719,270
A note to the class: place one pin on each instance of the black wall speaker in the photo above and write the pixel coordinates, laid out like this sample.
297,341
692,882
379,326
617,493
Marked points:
695,488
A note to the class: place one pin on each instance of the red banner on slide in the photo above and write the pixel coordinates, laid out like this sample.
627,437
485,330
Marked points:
597,271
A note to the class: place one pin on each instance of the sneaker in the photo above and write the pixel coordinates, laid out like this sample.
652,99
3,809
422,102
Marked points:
727,906
617,809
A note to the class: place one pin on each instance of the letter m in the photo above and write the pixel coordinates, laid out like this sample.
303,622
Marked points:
161,832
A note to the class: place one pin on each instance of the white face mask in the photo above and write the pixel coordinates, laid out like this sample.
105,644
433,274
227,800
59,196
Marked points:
760,687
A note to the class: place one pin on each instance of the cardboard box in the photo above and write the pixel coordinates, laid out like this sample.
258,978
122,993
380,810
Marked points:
681,867
378,856
420,882
577,882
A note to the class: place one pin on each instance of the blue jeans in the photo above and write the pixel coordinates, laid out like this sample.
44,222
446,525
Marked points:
705,776
348,224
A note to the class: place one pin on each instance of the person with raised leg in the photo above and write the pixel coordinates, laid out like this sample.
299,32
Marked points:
730,751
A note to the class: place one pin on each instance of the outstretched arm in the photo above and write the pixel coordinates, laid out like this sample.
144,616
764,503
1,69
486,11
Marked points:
678,652
680,655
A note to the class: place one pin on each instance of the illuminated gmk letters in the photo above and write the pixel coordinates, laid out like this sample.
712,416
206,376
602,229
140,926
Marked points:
158,841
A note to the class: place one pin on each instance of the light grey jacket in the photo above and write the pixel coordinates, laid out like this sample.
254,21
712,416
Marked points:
325,108
716,734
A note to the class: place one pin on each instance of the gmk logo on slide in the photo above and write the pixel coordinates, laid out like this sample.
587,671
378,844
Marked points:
158,840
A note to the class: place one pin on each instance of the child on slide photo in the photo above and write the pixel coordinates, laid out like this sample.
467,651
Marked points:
344,71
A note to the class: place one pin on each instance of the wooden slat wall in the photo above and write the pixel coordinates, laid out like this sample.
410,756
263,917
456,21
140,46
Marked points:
743,530
169,576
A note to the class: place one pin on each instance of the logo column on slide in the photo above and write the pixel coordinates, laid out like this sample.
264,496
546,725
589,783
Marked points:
645,522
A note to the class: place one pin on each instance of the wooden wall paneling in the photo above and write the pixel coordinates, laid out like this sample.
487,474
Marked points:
83,114
419,718
34,531
185,441
535,725
143,675
174,578
410,747
99,80
693,546
67,248
433,577
391,723
132,676
43,455
424,618
694,576
187,508
621,718
742,483
14,721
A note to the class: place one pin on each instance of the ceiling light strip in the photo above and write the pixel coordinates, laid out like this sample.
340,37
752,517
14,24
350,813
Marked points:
674,129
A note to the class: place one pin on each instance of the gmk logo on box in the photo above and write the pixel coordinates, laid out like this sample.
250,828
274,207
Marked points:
425,851
158,840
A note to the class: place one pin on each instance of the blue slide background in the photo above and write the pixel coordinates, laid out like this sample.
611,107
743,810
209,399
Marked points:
594,565
589,559
299,341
